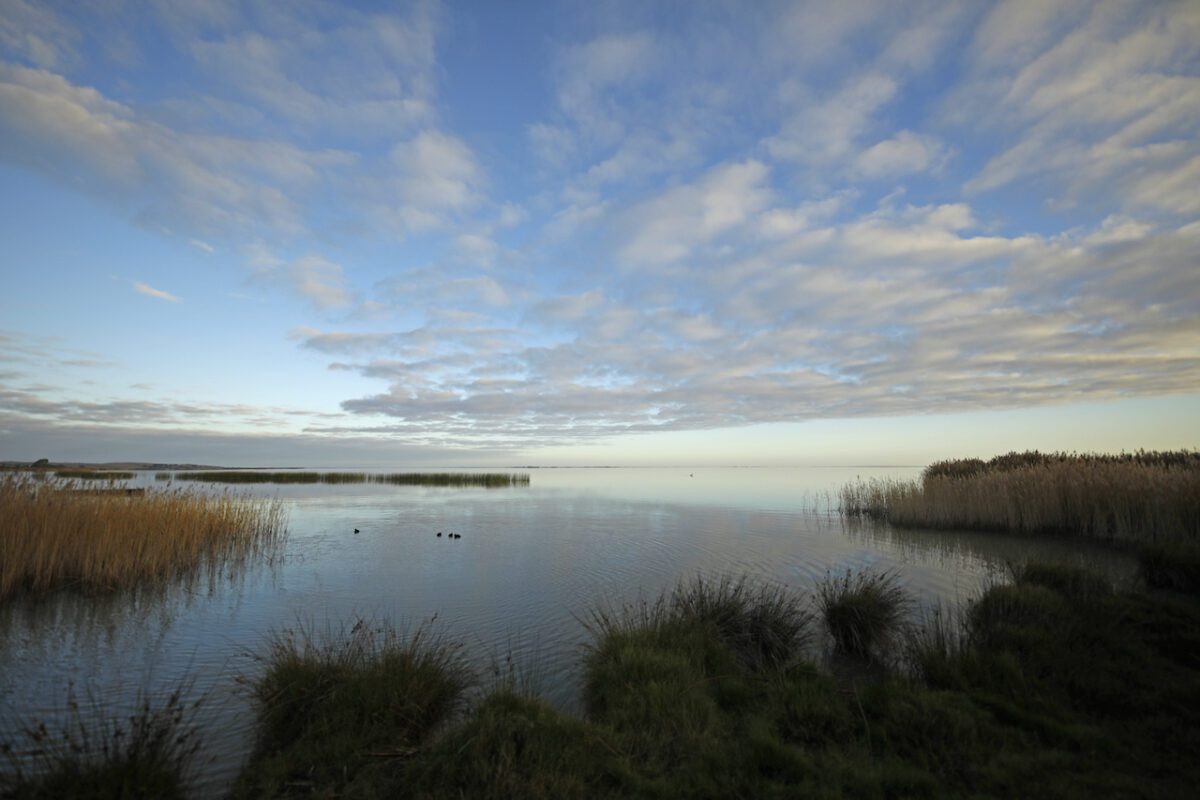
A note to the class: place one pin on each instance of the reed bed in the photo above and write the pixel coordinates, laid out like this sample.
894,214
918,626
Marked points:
52,535
490,480
1140,497
94,475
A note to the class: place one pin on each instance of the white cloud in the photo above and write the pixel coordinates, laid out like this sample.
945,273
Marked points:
432,179
903,154
37,34
590,69
150,291
824,132
363,75
1109,103
311,276
667,227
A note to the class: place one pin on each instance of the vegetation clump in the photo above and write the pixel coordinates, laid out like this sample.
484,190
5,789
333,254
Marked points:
862,610
94,475
1175,567
1132,497
1053,685
333,706
150,752
54,536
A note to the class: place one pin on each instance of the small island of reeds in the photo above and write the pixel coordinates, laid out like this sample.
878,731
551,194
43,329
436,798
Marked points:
94,475
57,535
1142,497
488,480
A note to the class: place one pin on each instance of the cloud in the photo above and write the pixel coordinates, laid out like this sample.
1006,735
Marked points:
591,69
826,131
37,34
430,180
1109,104
150,291
668,227
903,154
208,184
321,67
312,276
903,309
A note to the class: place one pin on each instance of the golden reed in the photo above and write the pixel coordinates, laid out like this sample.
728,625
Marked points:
1141,497
55,534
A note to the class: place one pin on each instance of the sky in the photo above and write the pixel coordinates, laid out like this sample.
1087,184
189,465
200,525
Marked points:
390,234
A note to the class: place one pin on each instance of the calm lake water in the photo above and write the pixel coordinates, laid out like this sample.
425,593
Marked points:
532,562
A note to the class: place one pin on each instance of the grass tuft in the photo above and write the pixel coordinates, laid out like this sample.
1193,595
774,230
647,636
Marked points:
863,611
334,704
147,753
764,625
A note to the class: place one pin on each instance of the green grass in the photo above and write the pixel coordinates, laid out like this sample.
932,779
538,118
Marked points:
336,708
147,753
491,480
1054,685
863,611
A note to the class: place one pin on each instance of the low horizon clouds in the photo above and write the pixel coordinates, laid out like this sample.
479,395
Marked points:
789,212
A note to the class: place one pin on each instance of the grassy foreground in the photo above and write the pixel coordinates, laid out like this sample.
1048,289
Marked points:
1053,685
1139,497
53,535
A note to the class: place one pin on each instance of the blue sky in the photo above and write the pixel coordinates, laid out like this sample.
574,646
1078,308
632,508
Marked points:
609,232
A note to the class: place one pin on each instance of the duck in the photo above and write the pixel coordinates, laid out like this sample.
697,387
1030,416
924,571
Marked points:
439,534
356,530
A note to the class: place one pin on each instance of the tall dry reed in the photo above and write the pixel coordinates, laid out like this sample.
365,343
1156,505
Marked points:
1145,497
53,535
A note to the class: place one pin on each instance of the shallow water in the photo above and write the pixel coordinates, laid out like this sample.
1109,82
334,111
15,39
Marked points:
532,562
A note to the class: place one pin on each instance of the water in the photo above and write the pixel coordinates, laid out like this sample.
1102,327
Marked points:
531,563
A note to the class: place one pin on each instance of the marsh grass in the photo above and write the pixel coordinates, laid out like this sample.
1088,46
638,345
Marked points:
149,752
1174,567
53,536
337,702
490,480
1054,684
94,475
762,625
863,610
1140,497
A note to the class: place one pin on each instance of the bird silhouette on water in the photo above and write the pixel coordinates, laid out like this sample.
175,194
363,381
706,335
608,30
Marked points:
439,534
356,530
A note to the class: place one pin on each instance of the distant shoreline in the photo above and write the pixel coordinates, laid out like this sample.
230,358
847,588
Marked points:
104,465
